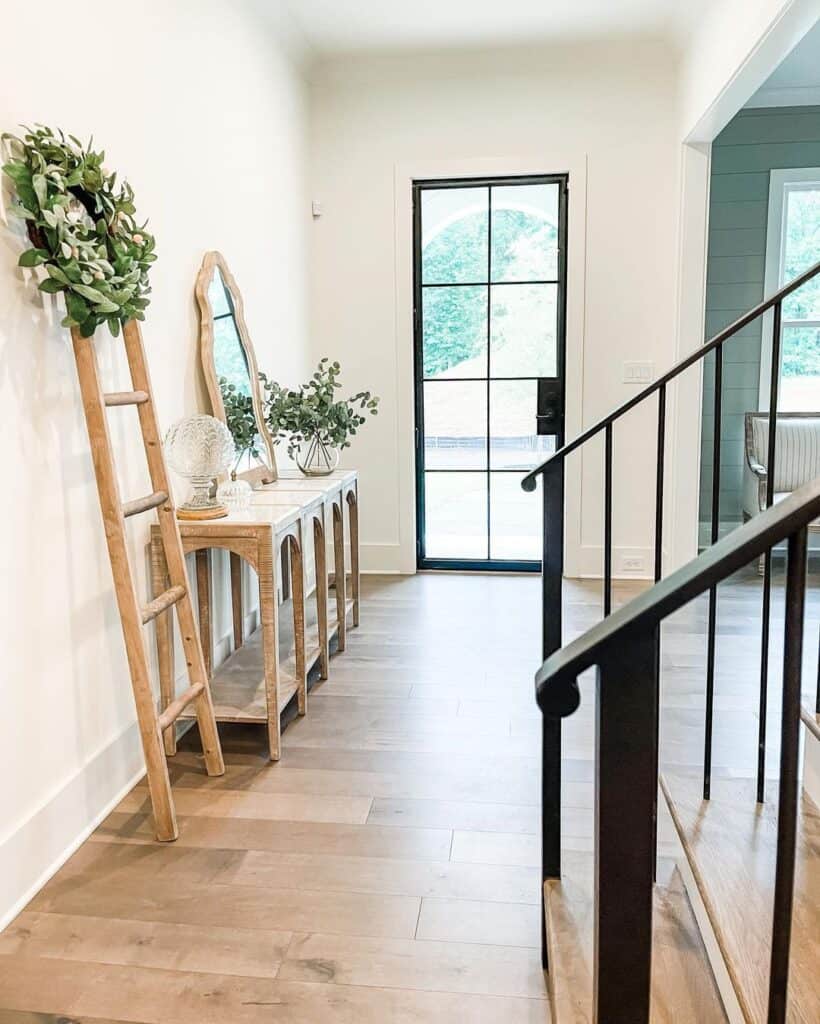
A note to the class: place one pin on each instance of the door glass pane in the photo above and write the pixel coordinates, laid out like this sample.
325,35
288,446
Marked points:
515,519
800,370
455,509
523,330
454,324
454,235
525,232
455,424
514,443
801,250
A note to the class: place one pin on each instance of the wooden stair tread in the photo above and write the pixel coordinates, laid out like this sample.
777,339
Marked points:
683,987
730,842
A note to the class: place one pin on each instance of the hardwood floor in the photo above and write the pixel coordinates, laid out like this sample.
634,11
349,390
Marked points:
386,869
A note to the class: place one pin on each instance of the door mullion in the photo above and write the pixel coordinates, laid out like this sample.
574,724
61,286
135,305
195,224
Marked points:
489,335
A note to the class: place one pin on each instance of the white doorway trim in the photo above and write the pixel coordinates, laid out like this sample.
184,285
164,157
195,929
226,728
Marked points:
782,34
575,166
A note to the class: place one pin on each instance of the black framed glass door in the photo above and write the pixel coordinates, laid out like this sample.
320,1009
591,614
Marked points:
489,320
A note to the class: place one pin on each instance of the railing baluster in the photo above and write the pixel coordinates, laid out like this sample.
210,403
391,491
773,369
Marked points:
788,789
608,519
774,387
625,806
712,621
659,483
658,573
552,573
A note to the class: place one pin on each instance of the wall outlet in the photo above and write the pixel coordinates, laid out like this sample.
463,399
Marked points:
632,563
639,373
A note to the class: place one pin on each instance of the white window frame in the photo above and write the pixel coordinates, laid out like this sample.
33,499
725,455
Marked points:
781,182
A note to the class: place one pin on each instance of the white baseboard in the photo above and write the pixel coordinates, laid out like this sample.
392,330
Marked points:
386,559
590,563
811,764
40,845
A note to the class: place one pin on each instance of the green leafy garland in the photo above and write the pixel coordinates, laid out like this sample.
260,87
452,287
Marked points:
313,411
82,229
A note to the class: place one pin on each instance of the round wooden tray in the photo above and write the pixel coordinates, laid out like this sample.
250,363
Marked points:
198,514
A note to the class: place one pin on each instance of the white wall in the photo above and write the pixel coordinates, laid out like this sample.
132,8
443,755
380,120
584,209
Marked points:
585,105
203,107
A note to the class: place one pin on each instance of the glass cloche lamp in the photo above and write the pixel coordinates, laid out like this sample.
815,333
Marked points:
200,448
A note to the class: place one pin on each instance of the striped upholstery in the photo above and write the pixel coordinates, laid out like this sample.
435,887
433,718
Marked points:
797,448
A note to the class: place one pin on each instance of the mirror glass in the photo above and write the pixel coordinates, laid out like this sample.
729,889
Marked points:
228,360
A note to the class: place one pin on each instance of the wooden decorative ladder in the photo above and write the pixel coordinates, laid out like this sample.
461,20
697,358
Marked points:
133,614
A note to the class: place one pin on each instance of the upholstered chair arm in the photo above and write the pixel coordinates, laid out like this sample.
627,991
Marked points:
754,487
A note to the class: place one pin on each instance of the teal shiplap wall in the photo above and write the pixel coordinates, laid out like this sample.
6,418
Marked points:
754,143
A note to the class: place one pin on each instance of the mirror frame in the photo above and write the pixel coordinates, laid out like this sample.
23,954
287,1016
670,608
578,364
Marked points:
213,260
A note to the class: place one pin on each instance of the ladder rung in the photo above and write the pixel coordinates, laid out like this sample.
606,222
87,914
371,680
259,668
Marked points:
126,397
159,604
132,508
176,707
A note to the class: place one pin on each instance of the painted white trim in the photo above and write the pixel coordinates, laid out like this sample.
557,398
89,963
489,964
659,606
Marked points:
573,164
684,401
40,845
779,181
811,764
783,33
720,971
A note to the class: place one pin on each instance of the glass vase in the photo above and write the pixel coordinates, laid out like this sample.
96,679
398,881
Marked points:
316,458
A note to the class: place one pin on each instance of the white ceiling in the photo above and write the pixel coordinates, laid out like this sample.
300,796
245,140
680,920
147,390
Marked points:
796,81
365,25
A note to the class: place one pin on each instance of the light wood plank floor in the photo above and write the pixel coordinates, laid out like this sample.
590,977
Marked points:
386,869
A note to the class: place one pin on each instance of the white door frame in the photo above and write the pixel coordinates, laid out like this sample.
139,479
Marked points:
575,166
793,21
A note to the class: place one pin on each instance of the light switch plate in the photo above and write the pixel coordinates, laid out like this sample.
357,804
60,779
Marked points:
639,372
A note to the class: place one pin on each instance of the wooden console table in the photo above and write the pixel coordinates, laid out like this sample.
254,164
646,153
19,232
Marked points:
258,678
339,489
255,683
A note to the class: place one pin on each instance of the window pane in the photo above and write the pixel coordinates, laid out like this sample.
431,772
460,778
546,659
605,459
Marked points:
454,324
523,329
514,443
455,509
515,519
454,235
802,249
800,370
455,425
525,232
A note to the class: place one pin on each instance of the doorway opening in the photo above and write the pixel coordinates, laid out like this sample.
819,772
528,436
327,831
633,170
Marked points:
489,263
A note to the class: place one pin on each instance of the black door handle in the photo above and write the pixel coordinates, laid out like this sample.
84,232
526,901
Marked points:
550,411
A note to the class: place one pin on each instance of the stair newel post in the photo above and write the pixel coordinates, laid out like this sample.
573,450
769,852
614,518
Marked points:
789,784
552,574
625,827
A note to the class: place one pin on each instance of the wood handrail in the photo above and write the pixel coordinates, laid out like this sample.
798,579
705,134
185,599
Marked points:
529,481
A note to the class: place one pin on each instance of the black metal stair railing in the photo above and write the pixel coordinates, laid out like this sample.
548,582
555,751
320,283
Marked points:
624,649
553,471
